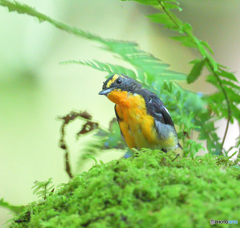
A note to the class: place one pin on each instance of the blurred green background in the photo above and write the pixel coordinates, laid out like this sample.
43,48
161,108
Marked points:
35,89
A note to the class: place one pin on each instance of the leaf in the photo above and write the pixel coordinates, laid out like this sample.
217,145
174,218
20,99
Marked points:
144,61
235,112
91,157
233,96
148,2
186,41
169,6
234,86
205,44
186,28
106,67
43,188
196,70
212,79
163,18
213,63
25,9
228,75
13,208
129,51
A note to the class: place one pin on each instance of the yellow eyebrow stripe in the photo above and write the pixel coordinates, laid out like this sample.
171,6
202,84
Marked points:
114,78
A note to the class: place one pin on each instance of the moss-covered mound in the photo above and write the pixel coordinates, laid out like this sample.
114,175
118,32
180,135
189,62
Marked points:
144,191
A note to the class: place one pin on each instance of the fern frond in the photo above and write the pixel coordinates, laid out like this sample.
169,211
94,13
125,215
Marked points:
15,6
227,88
105,67
151,70
147,63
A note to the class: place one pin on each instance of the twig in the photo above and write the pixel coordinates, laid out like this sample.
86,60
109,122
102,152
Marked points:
86,128
63,145
175,157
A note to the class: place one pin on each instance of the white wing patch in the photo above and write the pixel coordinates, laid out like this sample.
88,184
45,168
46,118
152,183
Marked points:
166,110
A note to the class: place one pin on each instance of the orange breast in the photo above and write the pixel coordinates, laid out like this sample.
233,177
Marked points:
136,125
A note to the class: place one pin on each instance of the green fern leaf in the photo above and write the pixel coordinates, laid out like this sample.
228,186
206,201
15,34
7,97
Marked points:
196,70
25,9
144,61
148,2
106,67
186,41
205,44
168,4
13,208
163,19
228,75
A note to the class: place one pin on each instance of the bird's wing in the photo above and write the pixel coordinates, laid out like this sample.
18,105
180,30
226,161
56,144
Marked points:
156,108
160,113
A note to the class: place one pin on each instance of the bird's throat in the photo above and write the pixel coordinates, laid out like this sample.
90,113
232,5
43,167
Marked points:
126,99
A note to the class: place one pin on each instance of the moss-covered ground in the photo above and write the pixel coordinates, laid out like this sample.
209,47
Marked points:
145,191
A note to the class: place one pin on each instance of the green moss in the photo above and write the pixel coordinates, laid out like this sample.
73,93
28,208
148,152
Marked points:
143,191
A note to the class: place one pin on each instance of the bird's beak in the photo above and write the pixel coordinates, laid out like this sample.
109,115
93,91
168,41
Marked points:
105,91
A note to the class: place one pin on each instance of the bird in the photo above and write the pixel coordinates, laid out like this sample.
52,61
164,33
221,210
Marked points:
143,119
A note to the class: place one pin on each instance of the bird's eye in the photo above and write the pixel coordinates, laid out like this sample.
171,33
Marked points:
119,81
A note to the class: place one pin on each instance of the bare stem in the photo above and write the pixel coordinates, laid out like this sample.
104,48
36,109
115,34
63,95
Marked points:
63,145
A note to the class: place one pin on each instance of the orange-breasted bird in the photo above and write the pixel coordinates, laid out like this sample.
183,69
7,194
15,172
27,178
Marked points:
143,119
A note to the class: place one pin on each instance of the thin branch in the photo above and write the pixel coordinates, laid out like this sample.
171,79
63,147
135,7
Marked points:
86,128
63,145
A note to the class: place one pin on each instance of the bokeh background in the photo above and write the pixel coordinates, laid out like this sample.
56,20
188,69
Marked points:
35,89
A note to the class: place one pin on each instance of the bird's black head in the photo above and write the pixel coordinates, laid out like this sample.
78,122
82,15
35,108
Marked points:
119,82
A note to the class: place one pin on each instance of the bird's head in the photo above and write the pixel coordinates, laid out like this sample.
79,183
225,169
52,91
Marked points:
119,83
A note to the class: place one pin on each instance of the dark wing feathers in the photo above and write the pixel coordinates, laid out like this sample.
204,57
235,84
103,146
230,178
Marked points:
156,108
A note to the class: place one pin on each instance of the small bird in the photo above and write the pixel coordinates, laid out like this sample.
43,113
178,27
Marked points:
143,119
